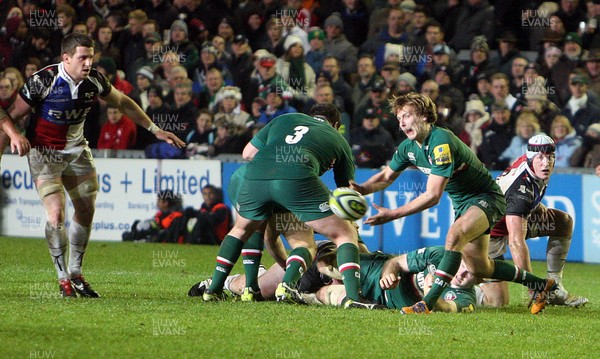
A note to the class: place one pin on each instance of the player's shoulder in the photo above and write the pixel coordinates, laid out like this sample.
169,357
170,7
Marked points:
45,74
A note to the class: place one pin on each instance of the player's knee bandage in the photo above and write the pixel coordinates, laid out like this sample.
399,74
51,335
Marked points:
49,187
87,188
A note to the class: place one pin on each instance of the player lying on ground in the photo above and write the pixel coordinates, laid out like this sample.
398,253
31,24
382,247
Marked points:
320,283
524,184
477,200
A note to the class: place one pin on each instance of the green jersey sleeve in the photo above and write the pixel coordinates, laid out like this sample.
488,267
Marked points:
463,298
400,159
260,139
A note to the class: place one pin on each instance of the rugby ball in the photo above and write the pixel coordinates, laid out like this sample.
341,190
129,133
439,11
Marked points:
348,204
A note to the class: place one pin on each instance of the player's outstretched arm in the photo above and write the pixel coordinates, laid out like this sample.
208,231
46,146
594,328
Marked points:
377,182
128,107
18,142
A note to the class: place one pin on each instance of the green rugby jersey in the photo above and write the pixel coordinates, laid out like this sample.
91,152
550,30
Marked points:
297,146
421,262
445,155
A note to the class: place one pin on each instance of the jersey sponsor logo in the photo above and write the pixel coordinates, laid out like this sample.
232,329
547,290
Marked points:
450,296
324,207
69,114
442,154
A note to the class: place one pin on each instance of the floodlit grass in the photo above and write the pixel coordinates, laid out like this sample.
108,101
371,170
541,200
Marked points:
144,312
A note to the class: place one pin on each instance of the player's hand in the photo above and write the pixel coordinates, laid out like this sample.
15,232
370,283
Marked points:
170,138
384,215
20,144
358,188
388,281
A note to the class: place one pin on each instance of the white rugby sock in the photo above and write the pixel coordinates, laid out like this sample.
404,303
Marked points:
556,255
78,240
56,236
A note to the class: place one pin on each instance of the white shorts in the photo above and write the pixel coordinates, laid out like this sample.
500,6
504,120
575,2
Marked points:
47,163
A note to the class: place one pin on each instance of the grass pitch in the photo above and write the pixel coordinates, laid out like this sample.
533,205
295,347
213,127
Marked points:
144,312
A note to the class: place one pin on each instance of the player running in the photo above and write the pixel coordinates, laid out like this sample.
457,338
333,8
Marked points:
59,98
477,200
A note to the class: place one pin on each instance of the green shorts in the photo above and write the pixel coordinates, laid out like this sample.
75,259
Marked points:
492,204
308,198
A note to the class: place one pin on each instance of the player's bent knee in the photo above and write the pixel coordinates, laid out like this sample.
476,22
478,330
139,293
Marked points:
86,189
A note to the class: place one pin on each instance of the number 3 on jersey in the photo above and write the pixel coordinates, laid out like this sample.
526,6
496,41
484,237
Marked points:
297,136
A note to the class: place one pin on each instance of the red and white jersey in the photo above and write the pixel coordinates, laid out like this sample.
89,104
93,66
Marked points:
60,106
523,192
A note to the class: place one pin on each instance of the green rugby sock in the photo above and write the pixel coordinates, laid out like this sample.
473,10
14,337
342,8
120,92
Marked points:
349,266
251,256
297,263
229,253
511,273
443,276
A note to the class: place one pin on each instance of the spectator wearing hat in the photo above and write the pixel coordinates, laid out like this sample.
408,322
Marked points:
579,109
479,65
406,83
507,52
392,33
266,76
226,30
355,19
571,59
276,37
476,120
566,140
241,61
367,75
592,67
372,146
316,54
336,44
276,103
161,11
588,154
208,61
484,91
341,88
295,72
526,126
255,29
106,66
443,77
152,47
536,97
143,81
496,137
475,17
223,55
229,107
376,102
550,58
180,43
118,132
131,42
571,14
443,56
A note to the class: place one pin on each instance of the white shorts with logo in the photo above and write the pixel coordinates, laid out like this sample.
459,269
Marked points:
48,163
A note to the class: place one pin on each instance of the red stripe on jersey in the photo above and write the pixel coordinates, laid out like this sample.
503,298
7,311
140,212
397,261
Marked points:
48,135
445,276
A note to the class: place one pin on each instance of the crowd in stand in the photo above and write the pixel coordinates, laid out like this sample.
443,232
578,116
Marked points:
215,72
